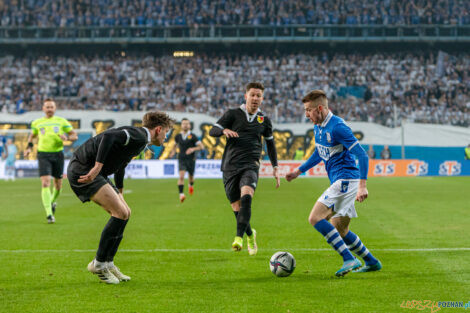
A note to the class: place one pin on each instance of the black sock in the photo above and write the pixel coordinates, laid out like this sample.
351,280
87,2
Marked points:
108,237
243,218
180,188
117,241
248,231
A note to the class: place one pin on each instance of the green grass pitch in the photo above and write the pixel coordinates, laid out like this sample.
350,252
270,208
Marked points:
43,267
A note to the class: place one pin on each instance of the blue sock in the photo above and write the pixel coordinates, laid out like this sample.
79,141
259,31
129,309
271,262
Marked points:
356,246
334,239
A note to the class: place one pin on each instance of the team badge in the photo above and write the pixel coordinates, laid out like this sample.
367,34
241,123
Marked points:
328,137
190,136
260,119
42,130
56,129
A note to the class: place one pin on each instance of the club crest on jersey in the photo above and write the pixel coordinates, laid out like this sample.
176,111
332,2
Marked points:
190,136
328,137
260,119
56,129
42,130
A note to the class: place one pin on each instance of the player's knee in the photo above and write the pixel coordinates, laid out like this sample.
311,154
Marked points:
312,219
45,183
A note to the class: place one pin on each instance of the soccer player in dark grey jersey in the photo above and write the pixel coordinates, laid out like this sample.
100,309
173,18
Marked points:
88,171
243,128
188,144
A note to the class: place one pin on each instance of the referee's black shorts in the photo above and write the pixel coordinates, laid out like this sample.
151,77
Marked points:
187,165
235,180
85,191
51,164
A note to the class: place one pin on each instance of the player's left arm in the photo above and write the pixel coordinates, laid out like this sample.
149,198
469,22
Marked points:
68,129
198,147
343,134
271,147
119,178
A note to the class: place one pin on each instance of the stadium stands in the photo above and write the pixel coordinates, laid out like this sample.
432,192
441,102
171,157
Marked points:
423,87
106,13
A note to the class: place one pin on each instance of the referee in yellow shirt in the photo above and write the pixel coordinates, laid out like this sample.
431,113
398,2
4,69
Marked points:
51,132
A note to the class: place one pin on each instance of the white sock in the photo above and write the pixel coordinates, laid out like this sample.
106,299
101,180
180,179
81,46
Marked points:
99,264
110,264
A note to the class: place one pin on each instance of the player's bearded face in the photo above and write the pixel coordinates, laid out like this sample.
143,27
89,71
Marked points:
253,98
185,125
49,108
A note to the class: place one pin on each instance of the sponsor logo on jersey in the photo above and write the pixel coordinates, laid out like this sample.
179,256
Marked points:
56,129
42,130
328,137
384,168
450,168
417,168
260,119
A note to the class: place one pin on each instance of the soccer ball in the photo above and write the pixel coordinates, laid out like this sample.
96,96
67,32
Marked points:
282,264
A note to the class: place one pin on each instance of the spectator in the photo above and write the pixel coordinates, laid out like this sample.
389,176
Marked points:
371,152
385,154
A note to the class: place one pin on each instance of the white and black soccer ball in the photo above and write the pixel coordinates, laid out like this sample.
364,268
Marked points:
282,264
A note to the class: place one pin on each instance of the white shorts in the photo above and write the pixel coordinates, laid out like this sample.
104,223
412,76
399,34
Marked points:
341,197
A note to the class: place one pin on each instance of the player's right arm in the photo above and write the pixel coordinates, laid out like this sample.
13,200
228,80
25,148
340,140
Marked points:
223,125
313,160
110,138
32,135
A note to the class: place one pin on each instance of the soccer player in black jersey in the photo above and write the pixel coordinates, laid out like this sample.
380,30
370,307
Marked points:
88,171
188,144
243,128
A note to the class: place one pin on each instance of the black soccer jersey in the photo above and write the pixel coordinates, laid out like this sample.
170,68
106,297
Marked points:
185,142
115,148
245,151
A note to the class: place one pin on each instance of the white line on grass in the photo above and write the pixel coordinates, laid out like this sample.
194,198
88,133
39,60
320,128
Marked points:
228,250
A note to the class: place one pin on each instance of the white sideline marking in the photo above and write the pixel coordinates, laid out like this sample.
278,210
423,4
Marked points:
229,250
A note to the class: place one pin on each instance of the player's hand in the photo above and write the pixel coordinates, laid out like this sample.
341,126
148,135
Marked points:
88,178
293,175
276,177
189,151
26,152
230,133
362,194
63,137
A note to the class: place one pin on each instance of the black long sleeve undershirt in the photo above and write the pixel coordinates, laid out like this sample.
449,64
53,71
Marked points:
119,178
216,131
272,152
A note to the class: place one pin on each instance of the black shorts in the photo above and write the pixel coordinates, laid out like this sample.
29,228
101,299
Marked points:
187,165
85,191
234,181
51,164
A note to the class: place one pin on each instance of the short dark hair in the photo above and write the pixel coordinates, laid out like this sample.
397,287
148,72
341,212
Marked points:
156,118
256,85
315,95
184,119
48,100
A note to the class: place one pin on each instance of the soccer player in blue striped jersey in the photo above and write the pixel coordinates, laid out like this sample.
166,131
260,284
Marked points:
335,145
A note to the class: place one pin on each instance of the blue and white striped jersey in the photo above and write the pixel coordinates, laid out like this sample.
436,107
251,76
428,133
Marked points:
334,143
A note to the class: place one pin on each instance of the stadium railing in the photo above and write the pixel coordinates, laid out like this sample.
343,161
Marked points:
240,33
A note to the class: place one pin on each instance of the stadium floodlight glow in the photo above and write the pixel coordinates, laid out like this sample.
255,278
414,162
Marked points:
183,54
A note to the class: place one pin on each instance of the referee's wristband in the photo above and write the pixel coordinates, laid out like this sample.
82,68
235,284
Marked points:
30,145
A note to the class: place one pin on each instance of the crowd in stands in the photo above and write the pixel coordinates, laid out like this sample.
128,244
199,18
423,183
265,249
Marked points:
109,13
381,88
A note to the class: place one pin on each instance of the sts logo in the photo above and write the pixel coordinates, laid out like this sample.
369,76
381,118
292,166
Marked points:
417,168
384,169
450,168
